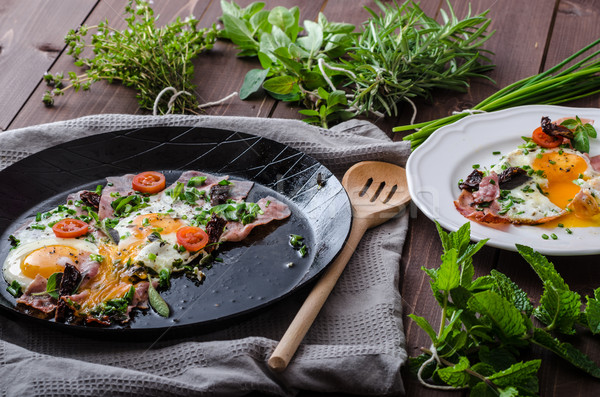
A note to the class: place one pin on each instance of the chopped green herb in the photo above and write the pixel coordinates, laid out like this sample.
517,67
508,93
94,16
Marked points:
152,256
475,166
164,278
225,182
545,236
554,236
97,258
495,153
196,181
15,289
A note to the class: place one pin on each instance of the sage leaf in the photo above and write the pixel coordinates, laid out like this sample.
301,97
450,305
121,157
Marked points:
252,82
281,17
157,302
280,85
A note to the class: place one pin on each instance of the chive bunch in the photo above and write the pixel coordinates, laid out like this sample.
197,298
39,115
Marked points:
558,84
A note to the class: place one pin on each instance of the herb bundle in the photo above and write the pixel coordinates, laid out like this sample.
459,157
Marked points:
559,84
487,321
337,74
142,56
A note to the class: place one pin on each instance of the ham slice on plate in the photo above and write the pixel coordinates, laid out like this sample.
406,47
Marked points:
272,210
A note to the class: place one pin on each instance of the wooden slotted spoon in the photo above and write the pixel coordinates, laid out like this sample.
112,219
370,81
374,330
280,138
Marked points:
377,192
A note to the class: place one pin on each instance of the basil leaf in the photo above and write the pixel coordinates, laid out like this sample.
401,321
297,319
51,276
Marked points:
54,284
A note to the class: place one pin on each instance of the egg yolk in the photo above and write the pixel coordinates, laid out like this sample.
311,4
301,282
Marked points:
141,228
561,170
43,261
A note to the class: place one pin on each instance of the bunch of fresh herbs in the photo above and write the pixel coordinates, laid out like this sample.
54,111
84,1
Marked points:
337,74
487,321
143,56
559,84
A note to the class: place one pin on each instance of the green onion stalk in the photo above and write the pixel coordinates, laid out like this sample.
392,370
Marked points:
558,84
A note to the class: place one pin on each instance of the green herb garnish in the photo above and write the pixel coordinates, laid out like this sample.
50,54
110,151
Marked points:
486,322
143,56
15,289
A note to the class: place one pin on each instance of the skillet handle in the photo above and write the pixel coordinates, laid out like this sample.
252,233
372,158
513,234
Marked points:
290,341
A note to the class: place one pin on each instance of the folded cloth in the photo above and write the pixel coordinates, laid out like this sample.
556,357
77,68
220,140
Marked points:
356,344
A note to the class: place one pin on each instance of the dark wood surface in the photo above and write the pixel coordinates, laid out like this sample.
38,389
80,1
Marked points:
530,37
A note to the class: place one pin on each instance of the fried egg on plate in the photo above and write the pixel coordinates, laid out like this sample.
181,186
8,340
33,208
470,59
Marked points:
43,257
556,178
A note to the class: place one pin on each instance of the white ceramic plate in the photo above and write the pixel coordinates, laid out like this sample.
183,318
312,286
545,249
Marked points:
435,168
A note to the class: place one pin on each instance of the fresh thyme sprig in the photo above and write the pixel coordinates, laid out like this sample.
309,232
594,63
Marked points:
143,56
558,84
402,53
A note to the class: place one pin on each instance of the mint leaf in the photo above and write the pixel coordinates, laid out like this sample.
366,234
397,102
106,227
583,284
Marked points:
559,309
498,358
252,82
566,351
500,313
448,274
592,313
456,375
544,268
424,324
505,287
522,375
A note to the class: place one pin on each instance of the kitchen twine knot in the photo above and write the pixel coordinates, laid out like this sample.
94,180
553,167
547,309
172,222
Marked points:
177,93
434,356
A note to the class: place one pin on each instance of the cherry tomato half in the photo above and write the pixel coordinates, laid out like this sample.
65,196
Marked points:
545,140
192,238
149,182
70,228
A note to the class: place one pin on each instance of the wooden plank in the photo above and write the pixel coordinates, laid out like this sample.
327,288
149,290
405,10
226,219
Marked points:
103,97
27,51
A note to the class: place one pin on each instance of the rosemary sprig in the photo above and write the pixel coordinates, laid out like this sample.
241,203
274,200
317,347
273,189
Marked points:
402,53
558,84
143,56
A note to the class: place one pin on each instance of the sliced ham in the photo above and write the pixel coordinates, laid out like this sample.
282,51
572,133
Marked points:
115,184
274,210
467,207
43,302
489,189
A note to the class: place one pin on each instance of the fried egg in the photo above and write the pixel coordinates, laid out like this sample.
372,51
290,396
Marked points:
43,257
556,178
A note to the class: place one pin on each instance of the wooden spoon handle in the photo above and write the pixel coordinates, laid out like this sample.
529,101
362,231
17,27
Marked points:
312,305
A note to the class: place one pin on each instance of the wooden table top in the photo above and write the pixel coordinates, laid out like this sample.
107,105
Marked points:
531,36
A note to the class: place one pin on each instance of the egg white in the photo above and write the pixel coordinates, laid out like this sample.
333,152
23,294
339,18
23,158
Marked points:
12,264
530,205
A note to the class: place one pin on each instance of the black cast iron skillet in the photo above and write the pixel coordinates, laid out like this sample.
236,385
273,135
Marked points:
253,274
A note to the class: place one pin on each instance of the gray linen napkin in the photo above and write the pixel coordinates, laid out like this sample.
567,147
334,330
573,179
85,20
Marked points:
355,346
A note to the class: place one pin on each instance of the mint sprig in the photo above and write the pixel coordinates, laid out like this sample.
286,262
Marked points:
487,321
